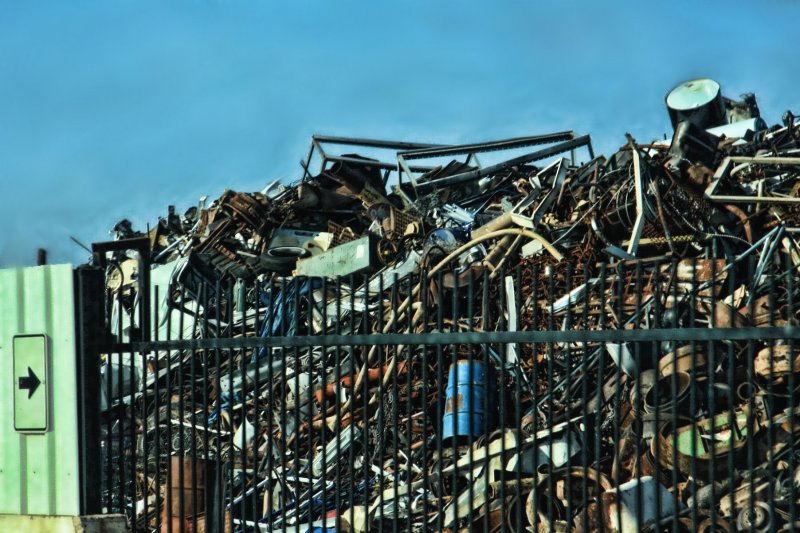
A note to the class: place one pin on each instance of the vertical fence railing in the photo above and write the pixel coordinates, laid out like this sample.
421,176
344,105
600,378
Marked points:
638,395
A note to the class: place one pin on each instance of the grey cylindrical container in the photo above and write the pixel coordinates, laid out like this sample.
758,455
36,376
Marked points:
698,101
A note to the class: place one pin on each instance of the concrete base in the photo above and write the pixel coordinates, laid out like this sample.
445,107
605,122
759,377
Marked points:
64,524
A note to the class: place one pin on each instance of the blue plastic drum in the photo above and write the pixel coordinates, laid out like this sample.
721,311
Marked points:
465,394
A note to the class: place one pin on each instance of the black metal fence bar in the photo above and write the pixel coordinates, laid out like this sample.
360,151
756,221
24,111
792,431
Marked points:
499,337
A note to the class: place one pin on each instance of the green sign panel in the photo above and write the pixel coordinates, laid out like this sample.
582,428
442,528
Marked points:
31,398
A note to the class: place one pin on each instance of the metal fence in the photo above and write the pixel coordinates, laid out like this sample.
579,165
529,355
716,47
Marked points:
647,395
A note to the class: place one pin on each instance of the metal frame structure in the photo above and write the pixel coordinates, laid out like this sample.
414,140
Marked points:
319,141
724,170
407,151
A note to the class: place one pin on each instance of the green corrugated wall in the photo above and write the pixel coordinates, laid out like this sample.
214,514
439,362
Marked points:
39,473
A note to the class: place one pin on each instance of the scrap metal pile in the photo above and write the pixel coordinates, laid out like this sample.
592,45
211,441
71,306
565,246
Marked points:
697,232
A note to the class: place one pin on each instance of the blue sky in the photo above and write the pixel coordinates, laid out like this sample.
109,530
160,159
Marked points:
113,110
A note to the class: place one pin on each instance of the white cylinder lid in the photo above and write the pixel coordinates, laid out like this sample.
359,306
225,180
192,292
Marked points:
692,94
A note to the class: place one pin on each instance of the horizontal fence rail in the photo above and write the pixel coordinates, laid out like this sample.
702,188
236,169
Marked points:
471,337
656,396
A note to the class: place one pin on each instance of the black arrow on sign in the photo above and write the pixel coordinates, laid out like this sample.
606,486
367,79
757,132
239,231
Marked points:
30,382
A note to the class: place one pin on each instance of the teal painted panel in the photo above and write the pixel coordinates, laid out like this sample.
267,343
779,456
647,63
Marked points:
39,472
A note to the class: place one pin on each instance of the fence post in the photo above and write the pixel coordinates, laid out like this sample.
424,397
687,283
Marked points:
90,326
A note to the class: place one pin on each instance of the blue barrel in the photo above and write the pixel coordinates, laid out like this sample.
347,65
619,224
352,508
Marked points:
465,394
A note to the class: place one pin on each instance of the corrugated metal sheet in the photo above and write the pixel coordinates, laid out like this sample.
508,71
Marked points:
39,473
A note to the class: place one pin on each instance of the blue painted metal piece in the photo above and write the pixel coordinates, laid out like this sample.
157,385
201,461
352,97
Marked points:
467,389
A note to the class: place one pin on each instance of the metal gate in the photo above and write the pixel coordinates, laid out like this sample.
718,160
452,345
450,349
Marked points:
643,395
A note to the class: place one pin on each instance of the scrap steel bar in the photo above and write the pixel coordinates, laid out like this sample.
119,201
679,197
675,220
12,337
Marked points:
507,144
472,175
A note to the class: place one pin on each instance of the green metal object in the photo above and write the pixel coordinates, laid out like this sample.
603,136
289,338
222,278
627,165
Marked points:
38,421
715,434
355,257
